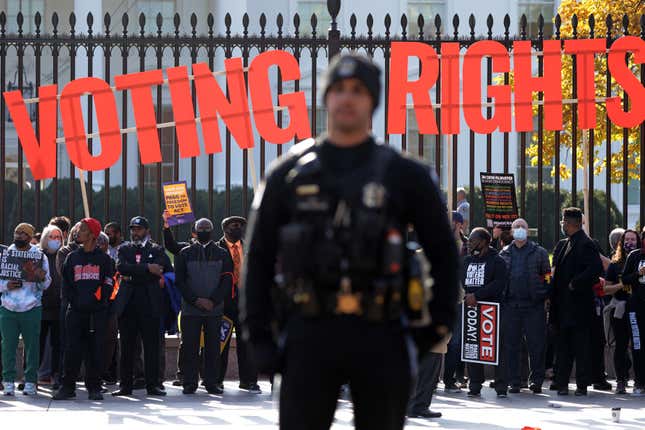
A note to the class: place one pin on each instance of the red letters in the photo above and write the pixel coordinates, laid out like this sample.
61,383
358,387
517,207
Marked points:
182,110
450,88
263,103
549,84
400,87
585,73
144,111
108,122
41,156
211,101
472,88
624,76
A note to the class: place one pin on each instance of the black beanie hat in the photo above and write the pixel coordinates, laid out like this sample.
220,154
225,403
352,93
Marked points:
354,66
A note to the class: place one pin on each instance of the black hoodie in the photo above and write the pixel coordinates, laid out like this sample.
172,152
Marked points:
87,280
631,277
486,276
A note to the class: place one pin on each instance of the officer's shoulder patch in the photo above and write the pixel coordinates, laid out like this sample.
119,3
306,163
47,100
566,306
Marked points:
301,147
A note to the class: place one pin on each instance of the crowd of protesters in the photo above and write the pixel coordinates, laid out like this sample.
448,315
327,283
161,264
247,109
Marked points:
88,304
93,298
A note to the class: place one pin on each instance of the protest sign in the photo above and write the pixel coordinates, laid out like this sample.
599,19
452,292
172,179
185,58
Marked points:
226,330
480,333
177,203
500,202
18,265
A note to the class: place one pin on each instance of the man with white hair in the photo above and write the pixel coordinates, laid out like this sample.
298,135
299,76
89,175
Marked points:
529,268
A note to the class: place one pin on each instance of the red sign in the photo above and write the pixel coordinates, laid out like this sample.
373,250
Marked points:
233,108
480,333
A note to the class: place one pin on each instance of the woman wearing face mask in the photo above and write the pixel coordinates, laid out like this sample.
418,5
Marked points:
50,242
616,309
634,277
485,278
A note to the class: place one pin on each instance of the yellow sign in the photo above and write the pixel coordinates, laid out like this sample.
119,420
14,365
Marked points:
177,203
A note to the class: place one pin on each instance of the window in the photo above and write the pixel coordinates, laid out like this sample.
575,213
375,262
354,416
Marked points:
429,9
412,141
532,9
28,9
305,9
151,8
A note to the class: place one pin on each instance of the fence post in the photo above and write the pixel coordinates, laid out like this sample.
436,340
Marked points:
333,35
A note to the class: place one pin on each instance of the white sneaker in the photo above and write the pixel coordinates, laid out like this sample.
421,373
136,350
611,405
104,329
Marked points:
30,389
638,392
9,388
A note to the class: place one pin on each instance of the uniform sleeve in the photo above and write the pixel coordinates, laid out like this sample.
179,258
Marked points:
428,214
267,215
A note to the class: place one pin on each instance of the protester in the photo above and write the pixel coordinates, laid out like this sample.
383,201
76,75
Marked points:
141,264
634,276
50,242
525,316
616,310
87,287
458,233
64,224
463,207
233,228
21,312
485,278
204,275
169,241
576,268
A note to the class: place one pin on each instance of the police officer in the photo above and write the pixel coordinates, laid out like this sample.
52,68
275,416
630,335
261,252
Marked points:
326,244
141,264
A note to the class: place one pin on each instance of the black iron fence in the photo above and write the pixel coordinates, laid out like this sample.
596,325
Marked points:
116,43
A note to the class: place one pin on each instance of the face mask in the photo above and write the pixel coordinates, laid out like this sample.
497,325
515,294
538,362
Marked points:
235,234
20,243
204,237
53,245
520,234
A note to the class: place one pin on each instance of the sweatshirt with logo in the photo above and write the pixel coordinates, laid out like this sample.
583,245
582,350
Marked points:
87,280
485,277
30,294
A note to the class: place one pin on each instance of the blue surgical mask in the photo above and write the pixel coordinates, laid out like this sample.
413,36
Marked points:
53,245
520,234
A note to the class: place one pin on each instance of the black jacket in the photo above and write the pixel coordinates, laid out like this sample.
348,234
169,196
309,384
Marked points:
635,260
138,286
413,198
577,267
485,277
203,272
171,244
52,296
87,281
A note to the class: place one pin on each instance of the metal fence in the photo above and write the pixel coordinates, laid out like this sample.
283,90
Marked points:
115,41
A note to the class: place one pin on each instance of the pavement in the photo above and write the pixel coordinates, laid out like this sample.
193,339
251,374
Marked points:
237,409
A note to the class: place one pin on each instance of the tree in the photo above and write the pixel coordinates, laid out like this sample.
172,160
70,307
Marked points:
623,17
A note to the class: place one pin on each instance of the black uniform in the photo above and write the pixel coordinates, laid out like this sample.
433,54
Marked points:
324,211
87,285
140,306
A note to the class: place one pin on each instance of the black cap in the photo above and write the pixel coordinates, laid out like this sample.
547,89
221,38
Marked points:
139,221
357,66
203,224
227,221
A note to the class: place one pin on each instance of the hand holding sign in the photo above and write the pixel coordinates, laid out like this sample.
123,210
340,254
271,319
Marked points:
470,300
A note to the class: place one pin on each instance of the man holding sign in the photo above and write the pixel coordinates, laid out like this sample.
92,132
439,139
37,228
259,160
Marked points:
485,278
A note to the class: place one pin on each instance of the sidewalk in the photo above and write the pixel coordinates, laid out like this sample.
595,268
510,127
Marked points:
241,410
